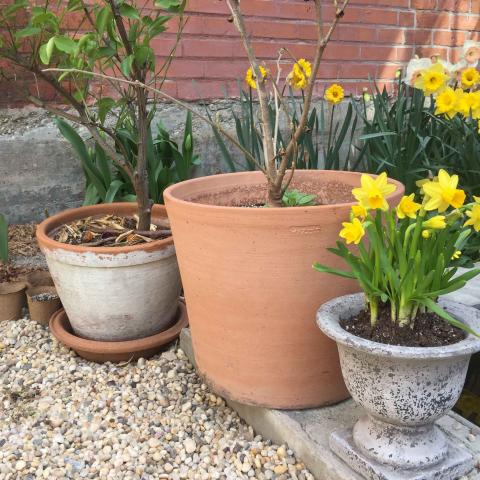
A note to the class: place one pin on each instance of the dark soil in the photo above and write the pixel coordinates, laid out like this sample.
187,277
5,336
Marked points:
11,273
255,196
429,330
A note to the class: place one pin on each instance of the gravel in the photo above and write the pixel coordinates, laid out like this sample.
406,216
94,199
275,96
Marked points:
62,417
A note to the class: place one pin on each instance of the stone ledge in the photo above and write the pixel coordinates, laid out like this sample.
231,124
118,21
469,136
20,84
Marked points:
307,431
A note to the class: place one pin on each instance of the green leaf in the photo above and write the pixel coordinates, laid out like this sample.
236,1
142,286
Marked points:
104,105
29,31
169,5
103,18
335,271
46,51
3,239
65,44
126,65
129,11
112,191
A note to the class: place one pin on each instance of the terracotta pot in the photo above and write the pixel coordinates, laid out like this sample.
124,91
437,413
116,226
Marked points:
12,300
404,390
43,302
39,278
252,294
100,352
113,293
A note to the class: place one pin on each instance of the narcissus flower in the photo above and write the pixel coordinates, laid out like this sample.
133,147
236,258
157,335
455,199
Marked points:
474,218
426,234
301,72
470,77
373,191
408,207
443,193
432,80
352,231
437,222
334,94
359,211
446,103
468,103
250,76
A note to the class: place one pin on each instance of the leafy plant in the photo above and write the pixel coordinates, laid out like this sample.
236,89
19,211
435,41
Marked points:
117,37
3,239
294,198
167,163
408,258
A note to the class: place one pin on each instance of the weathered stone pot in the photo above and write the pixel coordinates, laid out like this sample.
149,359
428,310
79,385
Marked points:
404,391
113,293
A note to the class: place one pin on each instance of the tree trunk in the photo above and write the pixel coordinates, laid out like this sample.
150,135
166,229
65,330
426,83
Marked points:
140,174
274,195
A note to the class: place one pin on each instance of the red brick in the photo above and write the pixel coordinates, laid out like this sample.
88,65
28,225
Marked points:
419,37
406,19
357,71
466,22
429,51
392,36
374,52
450,38
355,33
456,6
433,20
424,4
388,71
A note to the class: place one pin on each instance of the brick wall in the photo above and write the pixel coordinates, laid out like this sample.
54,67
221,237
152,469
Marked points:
374,39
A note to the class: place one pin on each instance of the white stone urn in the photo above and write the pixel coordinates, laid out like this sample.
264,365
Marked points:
404,390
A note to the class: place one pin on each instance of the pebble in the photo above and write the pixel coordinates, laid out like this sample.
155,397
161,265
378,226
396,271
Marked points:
149,419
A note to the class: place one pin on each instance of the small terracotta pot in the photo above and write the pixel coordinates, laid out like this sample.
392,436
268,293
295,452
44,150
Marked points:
42,310
12,300
251,291
39,278
98,351
113,293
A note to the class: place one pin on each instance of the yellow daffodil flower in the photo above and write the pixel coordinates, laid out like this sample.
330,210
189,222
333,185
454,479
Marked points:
408,207
352,231
437,222
301,72
426,234
446,103
250,77
373,191
359,211
334,94
456,255
469,104
470,77
443,193
474,218
432,80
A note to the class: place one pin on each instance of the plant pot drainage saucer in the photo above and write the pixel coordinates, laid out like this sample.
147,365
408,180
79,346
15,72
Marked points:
100,351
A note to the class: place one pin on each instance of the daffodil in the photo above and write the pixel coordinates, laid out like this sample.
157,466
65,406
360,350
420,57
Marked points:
251,79
474,218
470,77
469,103
456,255
426,234
334,94
352,231
437,222
359,211
301,72
471,52
443,193
408,207
373,191
432,80
446,103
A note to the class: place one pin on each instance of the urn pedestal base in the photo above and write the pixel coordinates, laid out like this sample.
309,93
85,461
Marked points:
456,463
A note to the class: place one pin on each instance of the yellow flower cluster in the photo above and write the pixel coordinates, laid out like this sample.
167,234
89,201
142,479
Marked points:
251,79
439,194
334,94
450,102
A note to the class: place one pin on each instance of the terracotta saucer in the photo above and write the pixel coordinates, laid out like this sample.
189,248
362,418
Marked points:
100,351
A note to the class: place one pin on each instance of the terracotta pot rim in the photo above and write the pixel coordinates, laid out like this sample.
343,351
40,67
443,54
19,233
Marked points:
35,290
49,224
328,321
7,288
170,194
102,348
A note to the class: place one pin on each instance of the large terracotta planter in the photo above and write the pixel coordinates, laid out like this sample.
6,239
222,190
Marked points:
252,294
404,390
113,293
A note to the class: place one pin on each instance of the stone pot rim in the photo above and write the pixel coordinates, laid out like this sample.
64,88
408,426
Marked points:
176,193
330,312
119,208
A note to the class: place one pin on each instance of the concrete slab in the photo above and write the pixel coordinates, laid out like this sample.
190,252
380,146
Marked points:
307,432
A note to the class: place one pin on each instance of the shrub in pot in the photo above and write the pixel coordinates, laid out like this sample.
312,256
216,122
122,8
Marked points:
119,285
250,292
404,354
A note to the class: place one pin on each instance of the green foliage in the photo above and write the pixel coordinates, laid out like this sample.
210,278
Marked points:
294,198
167,163
312,153
3,239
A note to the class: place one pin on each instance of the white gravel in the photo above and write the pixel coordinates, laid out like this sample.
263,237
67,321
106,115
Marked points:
62,417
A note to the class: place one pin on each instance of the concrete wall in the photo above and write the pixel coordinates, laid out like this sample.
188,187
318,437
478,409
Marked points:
39,171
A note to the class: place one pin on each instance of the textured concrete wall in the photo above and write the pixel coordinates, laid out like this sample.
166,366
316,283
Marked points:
39,171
